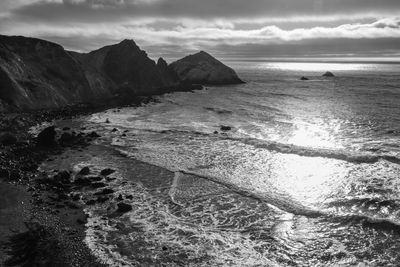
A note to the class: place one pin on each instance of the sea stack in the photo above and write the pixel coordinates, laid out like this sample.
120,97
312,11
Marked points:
202,68
328,74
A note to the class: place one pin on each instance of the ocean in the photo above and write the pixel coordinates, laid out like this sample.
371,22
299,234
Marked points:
274,172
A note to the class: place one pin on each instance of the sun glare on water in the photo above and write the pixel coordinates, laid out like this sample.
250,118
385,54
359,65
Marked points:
311,179
315,135
313,66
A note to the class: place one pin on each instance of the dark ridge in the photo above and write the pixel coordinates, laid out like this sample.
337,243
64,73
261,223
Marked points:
37,74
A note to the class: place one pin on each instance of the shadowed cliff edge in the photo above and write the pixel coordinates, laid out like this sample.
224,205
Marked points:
36,74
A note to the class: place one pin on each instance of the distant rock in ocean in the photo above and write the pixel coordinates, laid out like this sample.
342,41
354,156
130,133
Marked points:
328,74
36,74
304,78
202,68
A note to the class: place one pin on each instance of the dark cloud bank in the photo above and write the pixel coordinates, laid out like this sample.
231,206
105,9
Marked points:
230,28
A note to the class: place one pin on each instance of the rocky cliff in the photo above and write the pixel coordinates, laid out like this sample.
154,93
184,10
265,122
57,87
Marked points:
202,68
39,74
125,69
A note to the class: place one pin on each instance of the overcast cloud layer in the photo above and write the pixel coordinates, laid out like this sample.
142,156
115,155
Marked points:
230,28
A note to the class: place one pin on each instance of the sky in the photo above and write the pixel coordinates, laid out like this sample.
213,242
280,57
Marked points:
226,28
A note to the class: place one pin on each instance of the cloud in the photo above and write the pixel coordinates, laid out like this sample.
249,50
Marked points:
192,31
112,10
186,25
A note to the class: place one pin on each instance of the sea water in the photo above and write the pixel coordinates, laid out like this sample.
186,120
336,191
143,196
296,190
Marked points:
307,175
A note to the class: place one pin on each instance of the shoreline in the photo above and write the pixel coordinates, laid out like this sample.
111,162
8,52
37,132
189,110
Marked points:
51,222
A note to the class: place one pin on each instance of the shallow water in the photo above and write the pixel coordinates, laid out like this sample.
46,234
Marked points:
307,176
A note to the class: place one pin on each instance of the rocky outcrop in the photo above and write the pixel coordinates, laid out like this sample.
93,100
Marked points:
125,69
202,68
37,74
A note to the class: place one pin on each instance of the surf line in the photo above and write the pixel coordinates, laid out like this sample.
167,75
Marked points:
296,208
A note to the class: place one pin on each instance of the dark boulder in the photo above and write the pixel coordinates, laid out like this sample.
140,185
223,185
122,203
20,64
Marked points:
98,185
328,74
47,137
63,177
15,176
105,191
225,128
107,172
75,197
102,199
66,138
304,78
93,135
7,139
84,171
72,205
95,178
4,173
83,181
202,68
123,207
90,202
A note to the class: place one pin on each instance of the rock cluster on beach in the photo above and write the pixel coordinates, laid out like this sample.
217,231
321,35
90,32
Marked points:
51,218
54,220
36,74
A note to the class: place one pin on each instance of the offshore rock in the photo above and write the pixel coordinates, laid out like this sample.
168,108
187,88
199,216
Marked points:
328,74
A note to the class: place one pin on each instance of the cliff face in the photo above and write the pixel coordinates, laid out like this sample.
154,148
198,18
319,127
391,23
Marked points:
202,68
126,69
39,74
